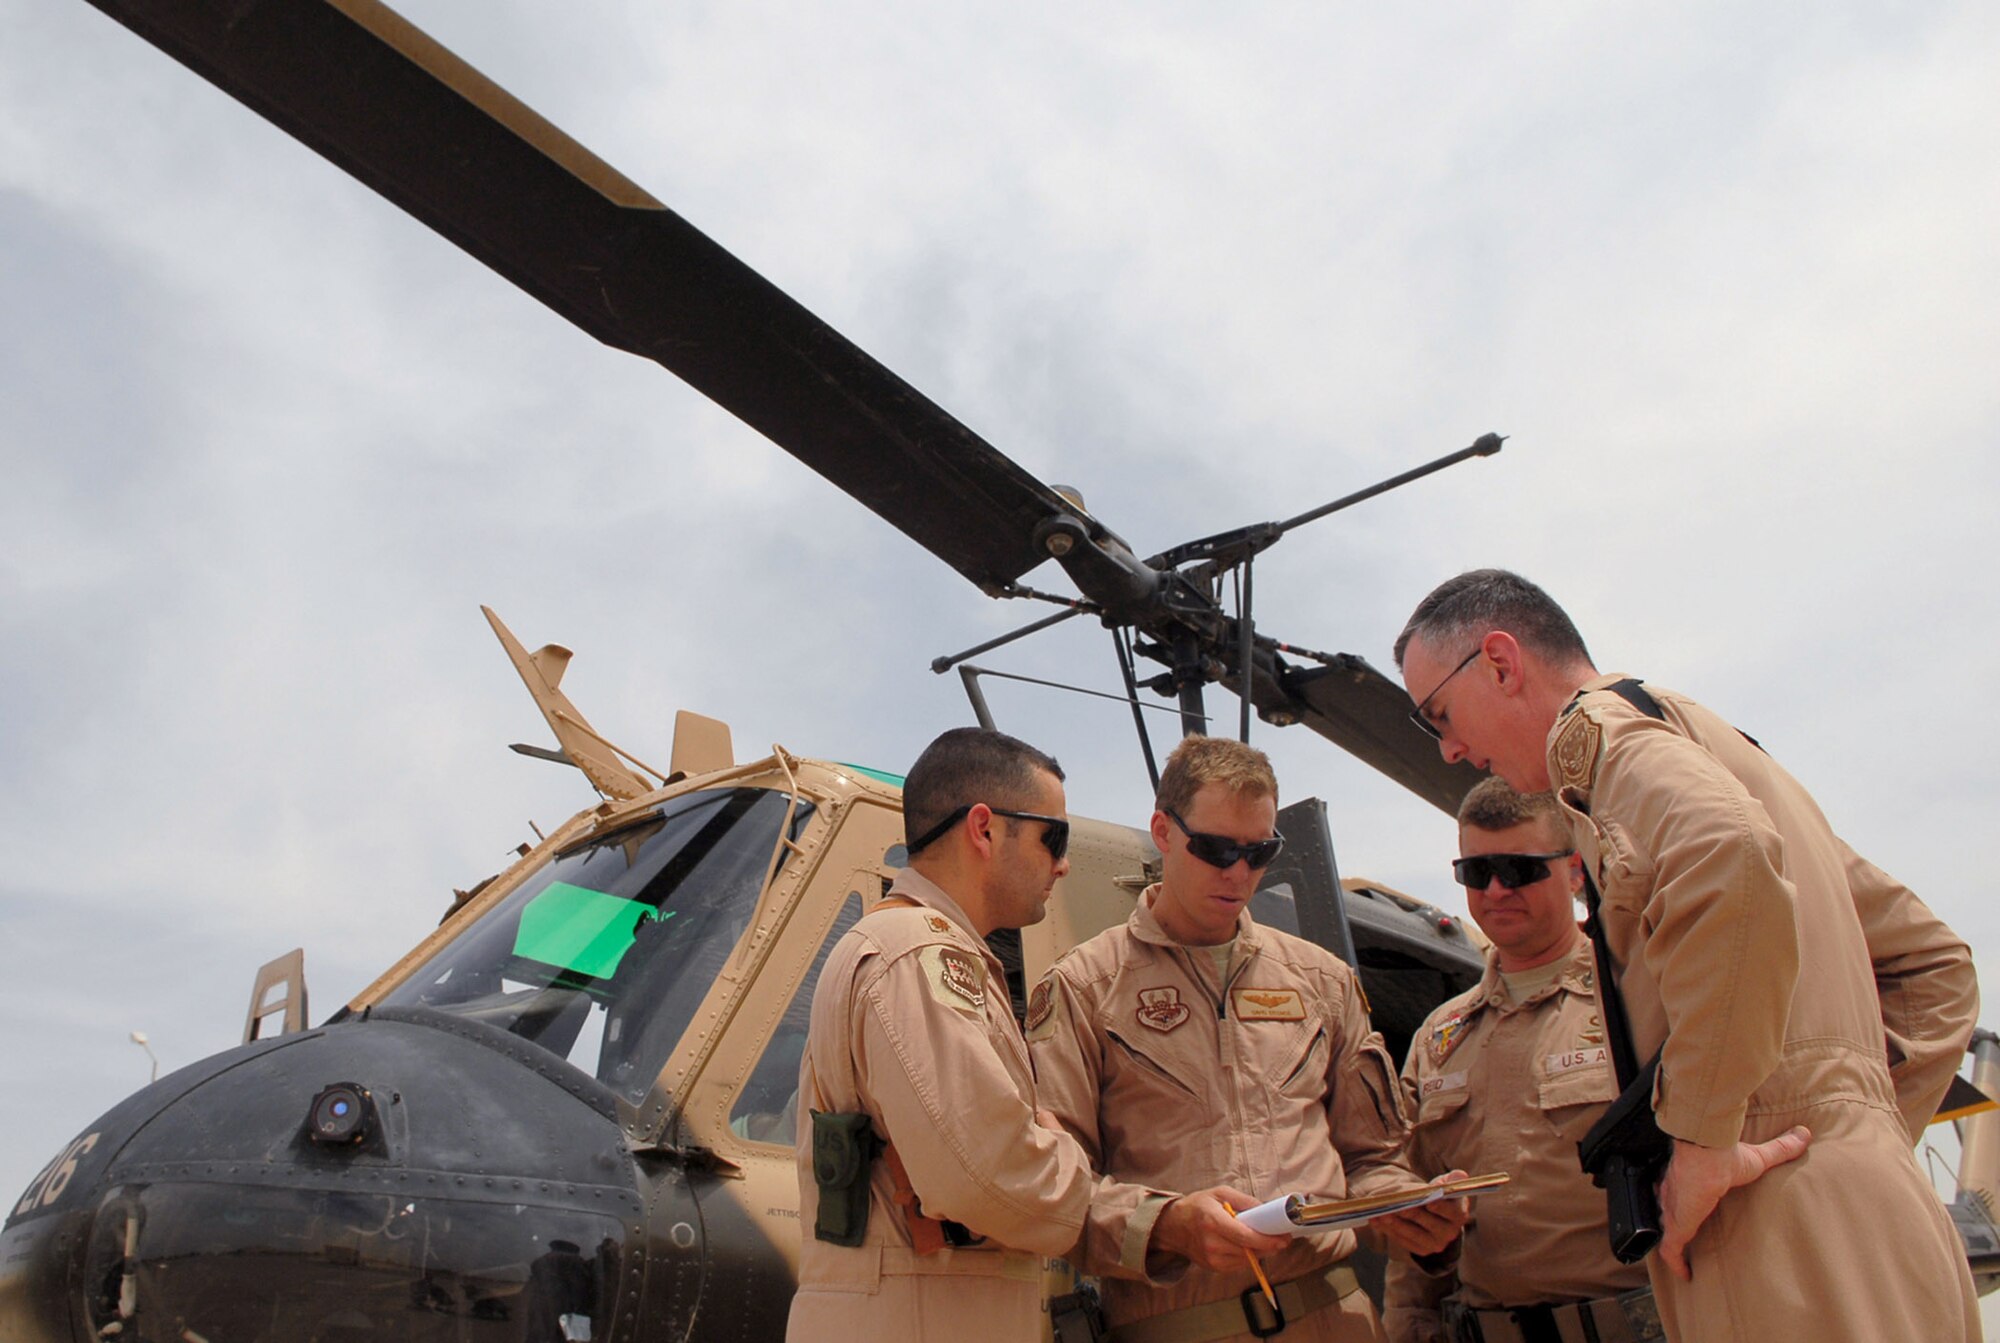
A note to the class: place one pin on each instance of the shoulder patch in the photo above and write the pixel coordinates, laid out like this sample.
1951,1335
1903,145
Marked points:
1573,756
1042,1009
937,924
956,978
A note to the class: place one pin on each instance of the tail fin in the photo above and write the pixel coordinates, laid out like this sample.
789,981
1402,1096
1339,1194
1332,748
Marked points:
542,672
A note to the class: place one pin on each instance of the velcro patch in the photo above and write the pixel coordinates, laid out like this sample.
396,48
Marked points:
1162,1009
1447,1082
957,979
1596,1056
1574,754
1042,1011
1267,1004
1444,1038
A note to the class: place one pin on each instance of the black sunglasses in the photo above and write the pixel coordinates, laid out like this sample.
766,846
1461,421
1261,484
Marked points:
1514,870
1419,717
1222,851
1055,831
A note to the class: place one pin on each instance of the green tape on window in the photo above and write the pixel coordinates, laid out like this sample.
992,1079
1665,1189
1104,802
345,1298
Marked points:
578,929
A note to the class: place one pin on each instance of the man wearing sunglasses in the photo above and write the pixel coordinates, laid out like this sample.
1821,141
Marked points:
1508,1076
1790,990
929,1186
1192,1047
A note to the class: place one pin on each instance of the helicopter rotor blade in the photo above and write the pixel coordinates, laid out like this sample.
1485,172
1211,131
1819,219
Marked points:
366,89
1366,714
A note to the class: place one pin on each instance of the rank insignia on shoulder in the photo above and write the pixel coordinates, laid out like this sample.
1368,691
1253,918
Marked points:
1162,1009
1042,1010
1445,1037
936,924
956,978
1573,757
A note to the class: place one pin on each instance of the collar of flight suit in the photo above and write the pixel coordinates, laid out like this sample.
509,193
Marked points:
1145,926
1578,976
914,885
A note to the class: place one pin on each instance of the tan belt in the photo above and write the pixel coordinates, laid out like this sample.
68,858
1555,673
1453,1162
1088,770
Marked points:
964,1263
1248,1314
1632,1317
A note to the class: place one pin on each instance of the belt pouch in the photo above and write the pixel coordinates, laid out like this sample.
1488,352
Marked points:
844,1148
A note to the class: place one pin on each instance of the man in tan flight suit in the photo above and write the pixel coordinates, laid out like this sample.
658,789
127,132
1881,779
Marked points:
1793,992
913,1043
1192,1047
1507,1077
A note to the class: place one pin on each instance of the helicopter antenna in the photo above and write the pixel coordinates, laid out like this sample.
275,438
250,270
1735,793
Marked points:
1484,446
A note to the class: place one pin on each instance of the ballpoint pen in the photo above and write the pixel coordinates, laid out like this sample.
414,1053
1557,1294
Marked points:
1257,1268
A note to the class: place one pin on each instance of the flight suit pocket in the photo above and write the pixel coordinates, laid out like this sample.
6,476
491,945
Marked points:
1440,1107
1445,1132
1154,1074
1571,1101
1303,1071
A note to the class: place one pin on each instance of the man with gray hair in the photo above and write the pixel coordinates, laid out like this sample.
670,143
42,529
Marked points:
1719,879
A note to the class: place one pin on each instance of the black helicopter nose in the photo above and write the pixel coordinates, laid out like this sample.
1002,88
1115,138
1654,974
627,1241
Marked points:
374,1179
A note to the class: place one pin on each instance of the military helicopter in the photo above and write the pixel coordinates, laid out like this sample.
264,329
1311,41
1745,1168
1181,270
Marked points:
564,1114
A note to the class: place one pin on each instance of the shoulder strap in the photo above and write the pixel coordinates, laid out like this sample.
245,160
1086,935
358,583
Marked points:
1610,1001
1633,692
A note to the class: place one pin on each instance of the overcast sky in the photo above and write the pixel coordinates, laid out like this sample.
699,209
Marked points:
1726,275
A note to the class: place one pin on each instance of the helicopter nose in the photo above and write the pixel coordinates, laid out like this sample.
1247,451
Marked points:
370,1180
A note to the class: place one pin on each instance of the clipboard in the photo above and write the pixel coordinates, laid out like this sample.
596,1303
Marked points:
1298,1215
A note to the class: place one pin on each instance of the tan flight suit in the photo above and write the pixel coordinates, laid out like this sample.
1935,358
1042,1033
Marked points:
1271,1081
1499,1085
1770,961
911,1023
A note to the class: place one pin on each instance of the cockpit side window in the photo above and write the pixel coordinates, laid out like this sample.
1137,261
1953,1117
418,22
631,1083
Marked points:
603,956
767,1107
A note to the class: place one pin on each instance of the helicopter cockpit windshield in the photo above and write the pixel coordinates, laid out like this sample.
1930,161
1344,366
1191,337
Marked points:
603,956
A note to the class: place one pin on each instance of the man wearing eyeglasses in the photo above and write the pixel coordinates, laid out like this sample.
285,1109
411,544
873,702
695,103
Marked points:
1192,1047
1509,1076
929,1187
1790,990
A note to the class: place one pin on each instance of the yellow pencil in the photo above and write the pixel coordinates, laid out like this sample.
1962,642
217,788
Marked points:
1257,1268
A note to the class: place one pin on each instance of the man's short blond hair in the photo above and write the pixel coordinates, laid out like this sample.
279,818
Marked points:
1200,761
1493,804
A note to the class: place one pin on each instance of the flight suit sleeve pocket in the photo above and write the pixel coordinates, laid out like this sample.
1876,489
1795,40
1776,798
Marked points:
1378,1073
1625,873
